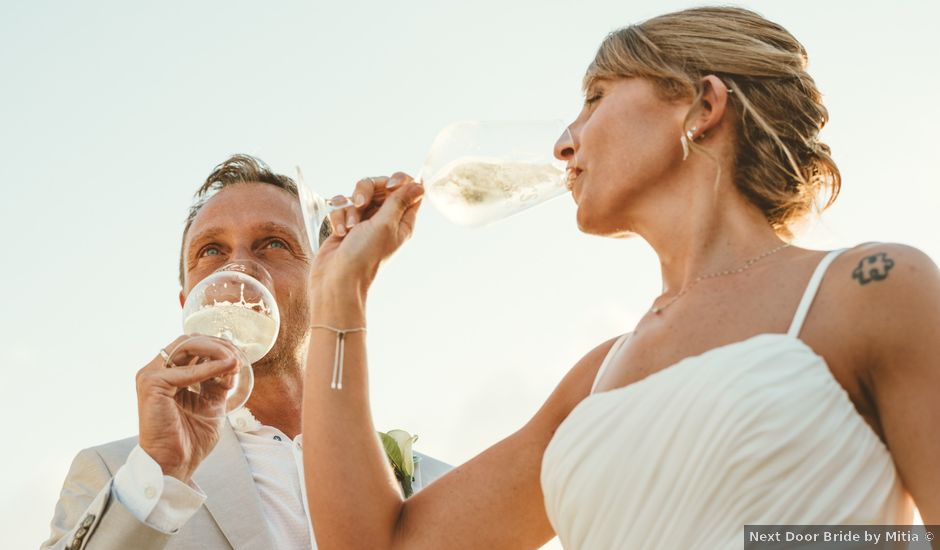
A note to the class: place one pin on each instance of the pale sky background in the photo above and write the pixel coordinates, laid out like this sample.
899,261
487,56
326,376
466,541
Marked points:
112,114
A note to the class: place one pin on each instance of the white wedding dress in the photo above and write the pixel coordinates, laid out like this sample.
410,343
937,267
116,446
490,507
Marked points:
754,432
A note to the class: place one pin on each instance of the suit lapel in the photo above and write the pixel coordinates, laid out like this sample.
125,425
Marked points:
232,498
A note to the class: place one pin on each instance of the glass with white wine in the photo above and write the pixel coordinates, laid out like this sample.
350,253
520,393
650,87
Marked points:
235,303
477,173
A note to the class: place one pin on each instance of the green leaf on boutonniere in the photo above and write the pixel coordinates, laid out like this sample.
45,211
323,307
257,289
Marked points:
397,445
392,451
405,442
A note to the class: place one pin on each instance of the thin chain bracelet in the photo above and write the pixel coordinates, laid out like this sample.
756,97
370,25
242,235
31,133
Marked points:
339,355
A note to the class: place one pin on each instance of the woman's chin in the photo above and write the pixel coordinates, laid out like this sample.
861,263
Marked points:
588,223
601,226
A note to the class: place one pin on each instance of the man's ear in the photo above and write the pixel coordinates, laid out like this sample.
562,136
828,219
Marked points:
713,105
182,298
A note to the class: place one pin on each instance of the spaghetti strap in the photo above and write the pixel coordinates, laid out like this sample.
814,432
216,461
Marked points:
607,359
810,294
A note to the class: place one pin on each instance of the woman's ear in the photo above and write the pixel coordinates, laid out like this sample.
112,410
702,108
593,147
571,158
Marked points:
712,106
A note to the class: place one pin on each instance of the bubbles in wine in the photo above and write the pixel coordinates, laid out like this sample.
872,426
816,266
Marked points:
474,191
253,332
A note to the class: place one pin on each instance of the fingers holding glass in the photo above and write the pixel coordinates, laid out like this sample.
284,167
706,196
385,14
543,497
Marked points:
367,197
367,190
338,214
397,180
205,370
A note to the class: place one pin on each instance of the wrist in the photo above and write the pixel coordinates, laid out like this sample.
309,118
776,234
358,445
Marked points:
172,468
185,475
342,284
179,471
342,306
343,292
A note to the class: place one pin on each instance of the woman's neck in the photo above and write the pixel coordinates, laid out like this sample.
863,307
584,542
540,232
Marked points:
697,230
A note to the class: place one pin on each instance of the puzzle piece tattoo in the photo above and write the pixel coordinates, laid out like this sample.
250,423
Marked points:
873,268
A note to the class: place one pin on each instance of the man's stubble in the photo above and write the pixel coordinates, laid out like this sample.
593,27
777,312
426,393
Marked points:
289,349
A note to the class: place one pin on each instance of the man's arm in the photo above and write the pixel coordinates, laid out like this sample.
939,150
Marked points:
151,495
88,516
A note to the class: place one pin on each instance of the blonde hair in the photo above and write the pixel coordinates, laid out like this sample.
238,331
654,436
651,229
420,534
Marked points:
779,165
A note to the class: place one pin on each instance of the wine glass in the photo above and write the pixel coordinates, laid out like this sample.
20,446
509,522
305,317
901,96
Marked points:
480,172
476,173
236,302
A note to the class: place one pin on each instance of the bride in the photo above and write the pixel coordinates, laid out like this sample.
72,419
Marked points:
768,384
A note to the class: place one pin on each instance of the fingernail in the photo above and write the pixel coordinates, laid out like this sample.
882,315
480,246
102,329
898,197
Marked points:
359,199
340,229
350,223
392,183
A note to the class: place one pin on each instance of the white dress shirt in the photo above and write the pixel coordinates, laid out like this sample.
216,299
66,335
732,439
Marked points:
277,467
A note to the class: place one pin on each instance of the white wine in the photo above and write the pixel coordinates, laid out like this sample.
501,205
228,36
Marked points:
475,191
253,332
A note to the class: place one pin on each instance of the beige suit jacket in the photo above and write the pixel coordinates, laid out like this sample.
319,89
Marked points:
87,517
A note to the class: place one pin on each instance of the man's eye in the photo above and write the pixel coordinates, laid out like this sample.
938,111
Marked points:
277,243
592,99
210,251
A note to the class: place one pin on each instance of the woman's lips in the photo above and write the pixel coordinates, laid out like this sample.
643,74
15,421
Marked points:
573,173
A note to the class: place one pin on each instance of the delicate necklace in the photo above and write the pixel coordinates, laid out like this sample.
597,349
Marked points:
747,265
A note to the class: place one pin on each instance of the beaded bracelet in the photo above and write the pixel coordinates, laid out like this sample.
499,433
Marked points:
337,382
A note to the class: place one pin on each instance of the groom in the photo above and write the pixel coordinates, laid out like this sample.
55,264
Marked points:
185,484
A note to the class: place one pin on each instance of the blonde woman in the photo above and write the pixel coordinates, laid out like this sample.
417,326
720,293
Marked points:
767,384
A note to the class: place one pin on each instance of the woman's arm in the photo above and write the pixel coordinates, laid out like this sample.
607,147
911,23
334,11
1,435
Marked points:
900,313
492,501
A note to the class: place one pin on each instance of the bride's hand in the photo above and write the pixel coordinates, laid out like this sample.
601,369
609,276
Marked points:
367,232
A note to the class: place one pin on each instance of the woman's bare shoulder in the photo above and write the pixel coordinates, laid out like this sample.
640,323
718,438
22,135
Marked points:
886,292
880,273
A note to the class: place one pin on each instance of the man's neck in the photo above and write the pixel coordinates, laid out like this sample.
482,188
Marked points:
276,400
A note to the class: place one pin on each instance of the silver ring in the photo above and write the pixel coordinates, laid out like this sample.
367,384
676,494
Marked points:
166,358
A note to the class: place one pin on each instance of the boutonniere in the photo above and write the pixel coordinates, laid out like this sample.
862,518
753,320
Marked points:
397,444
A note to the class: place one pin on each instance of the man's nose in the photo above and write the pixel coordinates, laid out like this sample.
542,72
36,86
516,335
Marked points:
565,147
242,255
244,263
252,267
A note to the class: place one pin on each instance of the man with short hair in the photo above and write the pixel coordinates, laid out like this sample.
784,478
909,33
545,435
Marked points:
185,483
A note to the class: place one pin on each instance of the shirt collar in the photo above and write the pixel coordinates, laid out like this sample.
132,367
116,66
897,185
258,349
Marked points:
243,421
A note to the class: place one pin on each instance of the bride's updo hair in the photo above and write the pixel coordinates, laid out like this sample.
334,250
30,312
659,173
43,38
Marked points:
779,164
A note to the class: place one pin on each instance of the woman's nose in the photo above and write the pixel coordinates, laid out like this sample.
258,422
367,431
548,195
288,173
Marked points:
565,147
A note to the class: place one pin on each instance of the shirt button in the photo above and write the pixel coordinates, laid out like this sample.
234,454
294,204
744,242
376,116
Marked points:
150,492
277,438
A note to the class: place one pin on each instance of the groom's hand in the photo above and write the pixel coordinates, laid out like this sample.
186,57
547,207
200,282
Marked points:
178,441
369,231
